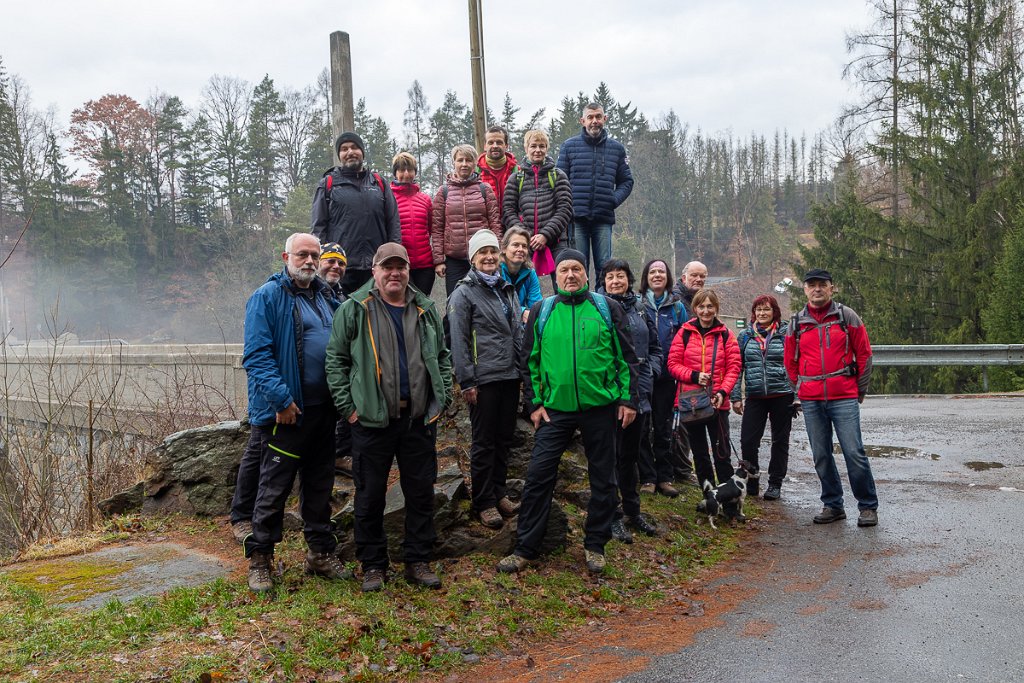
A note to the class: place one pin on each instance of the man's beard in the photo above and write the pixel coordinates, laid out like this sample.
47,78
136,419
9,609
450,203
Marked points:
332,278
302,276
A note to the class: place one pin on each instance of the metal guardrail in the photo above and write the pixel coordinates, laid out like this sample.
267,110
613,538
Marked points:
936,355
948,354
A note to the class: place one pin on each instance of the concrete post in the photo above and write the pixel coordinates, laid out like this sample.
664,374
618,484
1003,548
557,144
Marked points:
342,109
476,62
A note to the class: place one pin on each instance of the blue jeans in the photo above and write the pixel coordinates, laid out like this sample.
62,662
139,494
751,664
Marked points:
596,238
843,415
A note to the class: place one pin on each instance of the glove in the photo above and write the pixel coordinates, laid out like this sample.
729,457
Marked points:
795,409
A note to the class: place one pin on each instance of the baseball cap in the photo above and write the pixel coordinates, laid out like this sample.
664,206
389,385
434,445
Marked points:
390,250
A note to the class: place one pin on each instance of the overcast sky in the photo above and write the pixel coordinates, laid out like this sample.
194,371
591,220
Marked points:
720,64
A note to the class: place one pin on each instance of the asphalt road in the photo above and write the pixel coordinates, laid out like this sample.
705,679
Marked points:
934,593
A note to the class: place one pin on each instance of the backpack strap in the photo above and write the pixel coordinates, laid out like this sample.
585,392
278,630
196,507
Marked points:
545,313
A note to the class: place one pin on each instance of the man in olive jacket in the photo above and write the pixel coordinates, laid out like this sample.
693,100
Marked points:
390,376
579,372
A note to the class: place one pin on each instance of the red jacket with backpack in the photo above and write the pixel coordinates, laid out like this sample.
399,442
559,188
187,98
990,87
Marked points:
828,353
691,354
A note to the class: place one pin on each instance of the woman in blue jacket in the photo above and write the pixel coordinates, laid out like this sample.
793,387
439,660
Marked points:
517,269
769,394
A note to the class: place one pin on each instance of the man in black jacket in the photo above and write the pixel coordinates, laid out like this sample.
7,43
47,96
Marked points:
354,207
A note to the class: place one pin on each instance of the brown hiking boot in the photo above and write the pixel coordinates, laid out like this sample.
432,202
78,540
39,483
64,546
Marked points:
648,488
508,508
260,580
595,561
420,574
327,565
511,564
373,579
241,529
491,518
666,488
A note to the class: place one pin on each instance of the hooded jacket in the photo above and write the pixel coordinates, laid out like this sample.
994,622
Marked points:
461,207
485,342
826,349
527,285
598,171
414,208
496,179
687,360
359,213
353,367
539,207
272,350
578,362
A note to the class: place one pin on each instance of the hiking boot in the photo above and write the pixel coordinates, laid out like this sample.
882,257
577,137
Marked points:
642,524
491,518
420,574
620,533
260,580
648,488
829,515
373,579
343,466
595,561
868,518
508,508
666,488
241,529
689,479
327,565
510,564
773,492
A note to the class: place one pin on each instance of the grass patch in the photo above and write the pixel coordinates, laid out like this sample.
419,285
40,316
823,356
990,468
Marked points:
309,628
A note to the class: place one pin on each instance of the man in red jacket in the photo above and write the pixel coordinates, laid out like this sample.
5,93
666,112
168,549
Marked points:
496,165
828,357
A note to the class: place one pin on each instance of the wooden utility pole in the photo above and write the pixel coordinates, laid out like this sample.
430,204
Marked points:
342,110
476,64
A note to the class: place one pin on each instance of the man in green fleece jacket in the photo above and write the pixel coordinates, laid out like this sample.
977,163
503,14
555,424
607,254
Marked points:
390,376
579,371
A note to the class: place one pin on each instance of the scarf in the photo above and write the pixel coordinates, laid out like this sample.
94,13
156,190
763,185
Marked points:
494,283
763,335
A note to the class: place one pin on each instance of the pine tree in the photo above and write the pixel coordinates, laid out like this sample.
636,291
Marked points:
261,153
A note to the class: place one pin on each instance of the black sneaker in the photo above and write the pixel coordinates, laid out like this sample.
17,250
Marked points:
773,492
373,580
620,533
642,524
829,515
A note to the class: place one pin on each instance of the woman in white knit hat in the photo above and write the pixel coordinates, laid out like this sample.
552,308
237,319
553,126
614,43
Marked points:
486,336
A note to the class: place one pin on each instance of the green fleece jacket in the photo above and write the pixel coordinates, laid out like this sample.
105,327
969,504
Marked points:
579,362
353,367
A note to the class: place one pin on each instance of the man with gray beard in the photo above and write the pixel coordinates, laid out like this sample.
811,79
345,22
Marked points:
287,325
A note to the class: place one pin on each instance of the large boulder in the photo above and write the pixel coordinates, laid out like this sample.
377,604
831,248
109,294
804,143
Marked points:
194,471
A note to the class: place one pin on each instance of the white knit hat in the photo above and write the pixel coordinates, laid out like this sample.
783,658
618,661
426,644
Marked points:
480,239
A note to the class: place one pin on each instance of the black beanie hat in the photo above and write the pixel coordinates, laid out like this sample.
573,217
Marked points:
349,136
570,255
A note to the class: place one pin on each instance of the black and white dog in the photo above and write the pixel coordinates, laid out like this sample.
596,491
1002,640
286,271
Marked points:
727,498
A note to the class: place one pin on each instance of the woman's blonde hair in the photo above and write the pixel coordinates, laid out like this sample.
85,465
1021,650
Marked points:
506,240
531,134
465,150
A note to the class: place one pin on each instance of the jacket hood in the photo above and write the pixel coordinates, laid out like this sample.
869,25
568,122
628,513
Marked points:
473,179
404,188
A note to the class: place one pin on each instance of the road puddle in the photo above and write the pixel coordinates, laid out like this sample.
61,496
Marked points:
894,452
981,465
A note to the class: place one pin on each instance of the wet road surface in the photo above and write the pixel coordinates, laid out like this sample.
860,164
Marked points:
934,593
